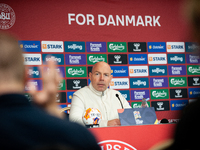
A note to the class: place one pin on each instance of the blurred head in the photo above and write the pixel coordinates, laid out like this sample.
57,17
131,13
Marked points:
193,14
11,60
100,76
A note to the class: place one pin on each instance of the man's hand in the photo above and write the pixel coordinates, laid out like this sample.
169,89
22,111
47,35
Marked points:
114,122
47,97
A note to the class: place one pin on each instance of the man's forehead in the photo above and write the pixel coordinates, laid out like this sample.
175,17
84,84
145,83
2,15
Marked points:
102,71
101,67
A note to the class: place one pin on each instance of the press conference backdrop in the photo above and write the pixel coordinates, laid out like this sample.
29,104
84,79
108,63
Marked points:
145,42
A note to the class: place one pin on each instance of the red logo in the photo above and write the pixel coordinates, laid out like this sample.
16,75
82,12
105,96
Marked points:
115,145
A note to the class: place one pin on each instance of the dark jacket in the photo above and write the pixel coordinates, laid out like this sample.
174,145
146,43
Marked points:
24,126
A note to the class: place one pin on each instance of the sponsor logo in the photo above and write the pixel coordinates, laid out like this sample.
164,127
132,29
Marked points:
159,94
139,104
192,47
37,85
32,59
125,94
137,117
138,70
119,71
60,70
178,93
157,58
117,58
75,59
94,58
137,58
30,46
139,82
69,96
194,92
62,85
192,59
33,72
139,94
76,72
137,47
61,97
177,70
52,46
178,104
175,47
74,46
193,81
58,58
115,144
158,82
160,105
177,81
156,47
157,70
176,58
119,83
7,16
116,47
192,100
193,69
96,46
75,84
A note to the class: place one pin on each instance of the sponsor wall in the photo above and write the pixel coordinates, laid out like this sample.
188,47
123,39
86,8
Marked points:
146,46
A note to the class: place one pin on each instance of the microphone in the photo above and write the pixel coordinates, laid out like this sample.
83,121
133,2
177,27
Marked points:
119,100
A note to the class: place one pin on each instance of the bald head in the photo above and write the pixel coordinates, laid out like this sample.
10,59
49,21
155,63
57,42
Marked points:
102,65
11,62
100,76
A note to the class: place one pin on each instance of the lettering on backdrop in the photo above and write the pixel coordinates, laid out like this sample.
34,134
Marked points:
113,20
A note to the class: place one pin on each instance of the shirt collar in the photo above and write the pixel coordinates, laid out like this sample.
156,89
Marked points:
99,93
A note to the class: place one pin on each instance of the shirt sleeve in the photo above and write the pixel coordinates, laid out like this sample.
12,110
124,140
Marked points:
76,110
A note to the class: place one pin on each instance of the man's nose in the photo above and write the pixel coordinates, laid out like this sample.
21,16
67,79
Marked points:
101,77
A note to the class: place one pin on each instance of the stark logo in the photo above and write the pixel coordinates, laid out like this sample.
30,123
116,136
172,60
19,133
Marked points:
7,16
115,144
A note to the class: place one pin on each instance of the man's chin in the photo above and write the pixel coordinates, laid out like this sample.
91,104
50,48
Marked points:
101,89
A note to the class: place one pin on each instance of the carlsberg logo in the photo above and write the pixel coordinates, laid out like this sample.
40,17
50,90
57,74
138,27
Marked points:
194,70
116,47
96,59
72,71
76,72
177,81
159,94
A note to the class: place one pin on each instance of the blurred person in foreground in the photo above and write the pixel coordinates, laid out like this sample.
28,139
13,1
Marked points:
186,136
97,95
24,125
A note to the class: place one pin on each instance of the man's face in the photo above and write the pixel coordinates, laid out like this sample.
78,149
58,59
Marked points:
100,76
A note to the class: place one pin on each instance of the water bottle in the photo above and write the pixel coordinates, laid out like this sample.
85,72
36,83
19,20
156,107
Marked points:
144,102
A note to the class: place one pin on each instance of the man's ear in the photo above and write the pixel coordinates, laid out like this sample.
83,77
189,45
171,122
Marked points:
90,75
